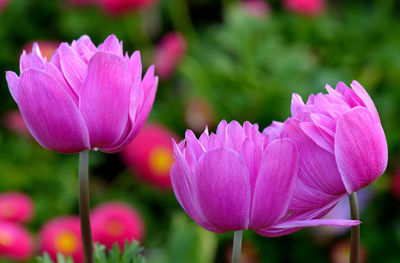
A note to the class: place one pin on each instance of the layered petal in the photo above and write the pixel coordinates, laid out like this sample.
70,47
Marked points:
50,114
221,186
12,80
104,99
360,149
276,180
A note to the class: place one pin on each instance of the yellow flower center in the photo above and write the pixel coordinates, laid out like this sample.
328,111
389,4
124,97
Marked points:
161,160
6,239
66,242
115,228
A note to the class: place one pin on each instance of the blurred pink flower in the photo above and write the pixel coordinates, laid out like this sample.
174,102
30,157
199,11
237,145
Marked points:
16,207
256,8
116,222
3,4
151,154
199,113
239,178
14,122
46,47
305,7
62,235
124,6
85,97
169,53
15,242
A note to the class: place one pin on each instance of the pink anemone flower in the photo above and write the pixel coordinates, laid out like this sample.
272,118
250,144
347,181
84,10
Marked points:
85,97
116,222
62,235
16,207
238,179
15,242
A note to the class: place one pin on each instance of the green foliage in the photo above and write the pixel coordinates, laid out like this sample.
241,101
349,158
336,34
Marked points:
130,254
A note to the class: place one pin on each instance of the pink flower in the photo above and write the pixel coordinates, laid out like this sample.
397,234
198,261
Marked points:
169,53
238,179
256,8
116,222
15,242
14,122
151,154
123,6
15,207
342,147
84,97
305,7
62,235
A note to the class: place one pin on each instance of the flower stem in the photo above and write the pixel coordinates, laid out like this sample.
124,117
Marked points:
237,246
87,243
355,230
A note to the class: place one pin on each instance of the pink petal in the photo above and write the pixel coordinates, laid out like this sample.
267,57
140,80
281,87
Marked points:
194,144
318,222
314,134
222,189
297,106
360,148
318,168
252,157
363,95
182,186
72,66
135,65
12,80
104,99
275,184
112,45
50,114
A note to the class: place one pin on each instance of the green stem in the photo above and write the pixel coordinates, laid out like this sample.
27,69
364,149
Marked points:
87,243
355,230
237,246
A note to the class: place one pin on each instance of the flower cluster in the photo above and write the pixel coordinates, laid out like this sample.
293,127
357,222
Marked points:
287,177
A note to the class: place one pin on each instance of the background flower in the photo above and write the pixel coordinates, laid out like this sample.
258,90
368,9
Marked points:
116,222
16,207
15,242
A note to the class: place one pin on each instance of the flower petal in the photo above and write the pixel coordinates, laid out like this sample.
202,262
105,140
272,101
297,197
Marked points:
112,45
221,185
360,149
50,114
72,66
275,184
363,95
104,99
318,222
12,80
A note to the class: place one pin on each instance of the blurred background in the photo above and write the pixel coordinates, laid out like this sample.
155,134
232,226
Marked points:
216,60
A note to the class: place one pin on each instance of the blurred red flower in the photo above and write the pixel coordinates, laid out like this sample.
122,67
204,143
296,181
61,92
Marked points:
3,4
15,242
15,207
116,222
256,8
169,53
62,235
305,7
151,154
123,6
13,121
199,114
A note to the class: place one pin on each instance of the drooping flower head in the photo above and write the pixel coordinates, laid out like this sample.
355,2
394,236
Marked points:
116,222
62,235
151,155
169,53
16,207
84,97
306,7
15,242
238,178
